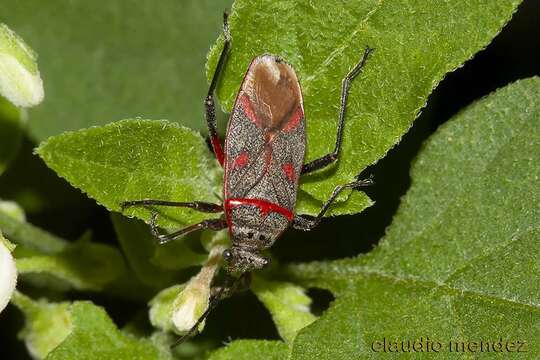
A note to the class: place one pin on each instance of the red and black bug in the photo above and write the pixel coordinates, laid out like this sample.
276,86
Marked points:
263,160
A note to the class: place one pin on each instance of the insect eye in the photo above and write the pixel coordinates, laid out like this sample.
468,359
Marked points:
250,235
227,255
262,237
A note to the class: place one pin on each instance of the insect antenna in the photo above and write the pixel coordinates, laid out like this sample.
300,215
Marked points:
230,284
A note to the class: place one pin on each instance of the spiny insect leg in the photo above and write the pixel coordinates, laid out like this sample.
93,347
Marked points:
209,101
346,84
196,205
304,223
213,224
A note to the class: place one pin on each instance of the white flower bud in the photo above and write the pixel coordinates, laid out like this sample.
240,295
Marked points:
8,272
20,81
189,307
193,301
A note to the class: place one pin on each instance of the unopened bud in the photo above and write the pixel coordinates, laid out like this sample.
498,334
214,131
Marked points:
193,301
20,81
190,305
8,272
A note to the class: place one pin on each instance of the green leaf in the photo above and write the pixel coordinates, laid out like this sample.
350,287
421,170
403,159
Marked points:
82,265
6,243
140,248
11,132
180,254
138,159
460,260
251,349
354,202
12,209
467,198
107,60
80,330
416,42
46,260
28,235
177,255
288,304
20,82
94,336
46,326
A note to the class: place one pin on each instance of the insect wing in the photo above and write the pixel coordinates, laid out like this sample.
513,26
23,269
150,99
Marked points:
265,142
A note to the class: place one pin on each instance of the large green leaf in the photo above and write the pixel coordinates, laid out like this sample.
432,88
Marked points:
250,349
137,159
80,330
106,60
416,43
95,336
460,261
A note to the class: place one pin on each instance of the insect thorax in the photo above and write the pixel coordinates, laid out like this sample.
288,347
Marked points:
254,230
241,260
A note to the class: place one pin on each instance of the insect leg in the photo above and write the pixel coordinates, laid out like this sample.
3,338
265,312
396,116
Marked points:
307,223
241,284
196,205
345,86
209,101
213,224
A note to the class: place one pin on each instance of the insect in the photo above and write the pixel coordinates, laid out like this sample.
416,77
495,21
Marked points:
263,160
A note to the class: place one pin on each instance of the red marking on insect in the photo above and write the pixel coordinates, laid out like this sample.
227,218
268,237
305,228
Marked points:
241,160
294,120
265,207
267,156
288,169
248,109
218,150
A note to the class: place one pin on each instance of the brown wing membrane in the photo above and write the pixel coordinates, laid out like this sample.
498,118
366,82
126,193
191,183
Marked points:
265,142
273,90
